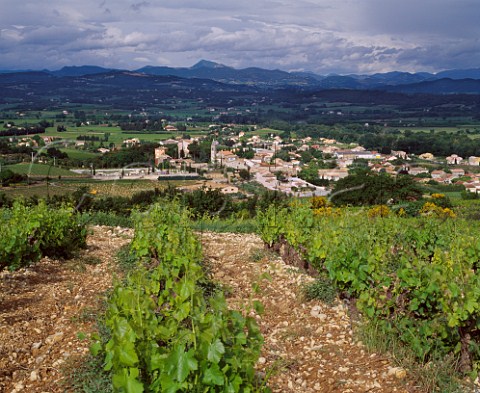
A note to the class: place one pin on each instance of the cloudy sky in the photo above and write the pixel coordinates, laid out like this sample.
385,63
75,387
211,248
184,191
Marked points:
323,36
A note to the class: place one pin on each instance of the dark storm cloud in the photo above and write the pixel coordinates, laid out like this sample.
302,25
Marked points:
317,35
138,6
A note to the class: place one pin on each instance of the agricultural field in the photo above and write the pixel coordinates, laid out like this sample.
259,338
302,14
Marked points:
40,190
390,295
116,135
78,154
126,188
73,129
265,131
41,170
123,188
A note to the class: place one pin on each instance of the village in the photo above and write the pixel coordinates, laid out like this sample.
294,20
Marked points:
284,175
273,162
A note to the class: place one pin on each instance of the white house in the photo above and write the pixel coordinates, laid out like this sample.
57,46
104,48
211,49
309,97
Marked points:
333,174
472,160
454,159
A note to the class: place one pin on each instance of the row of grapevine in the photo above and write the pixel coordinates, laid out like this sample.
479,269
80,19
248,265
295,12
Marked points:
417,277
171,331
28,233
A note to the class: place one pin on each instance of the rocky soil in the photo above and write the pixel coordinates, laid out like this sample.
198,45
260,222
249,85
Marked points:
309,346
44,307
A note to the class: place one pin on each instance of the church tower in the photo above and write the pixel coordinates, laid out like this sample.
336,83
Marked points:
213,151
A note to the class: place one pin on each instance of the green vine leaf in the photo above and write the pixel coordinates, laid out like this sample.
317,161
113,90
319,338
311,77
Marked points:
213,376
127,355
215,351
183,363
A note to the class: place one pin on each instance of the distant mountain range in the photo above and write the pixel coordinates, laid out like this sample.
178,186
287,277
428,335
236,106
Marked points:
445,82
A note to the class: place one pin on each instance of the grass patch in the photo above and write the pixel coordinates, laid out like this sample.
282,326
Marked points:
80,154
41,170
227,225
87,314
126,261
108,219
258,254
91,260
87,376
440,374
321,289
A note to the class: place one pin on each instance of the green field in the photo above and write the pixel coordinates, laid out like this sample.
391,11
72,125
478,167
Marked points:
40,170
117,136
79,154
265,131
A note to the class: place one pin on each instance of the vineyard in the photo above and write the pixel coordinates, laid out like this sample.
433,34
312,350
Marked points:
31,232
170,326
171,329
415,277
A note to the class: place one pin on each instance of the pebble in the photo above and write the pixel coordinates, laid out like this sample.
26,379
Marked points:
58,362
54,338
36,345
33,376
398,372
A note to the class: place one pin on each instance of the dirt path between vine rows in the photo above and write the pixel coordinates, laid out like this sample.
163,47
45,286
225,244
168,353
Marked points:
309,346
45,306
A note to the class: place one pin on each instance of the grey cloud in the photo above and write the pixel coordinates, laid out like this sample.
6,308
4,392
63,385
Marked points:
316,35
139,6
457,18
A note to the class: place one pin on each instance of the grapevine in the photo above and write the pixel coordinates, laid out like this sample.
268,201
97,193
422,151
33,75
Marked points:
417,277
167,333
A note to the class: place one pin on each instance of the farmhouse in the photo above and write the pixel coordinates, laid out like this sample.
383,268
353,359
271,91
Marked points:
182,146
224,188
353,154
454,159
427,156
438,175
457,172
417,170
161,155
224,156
333,174
400,154
472,160
131,142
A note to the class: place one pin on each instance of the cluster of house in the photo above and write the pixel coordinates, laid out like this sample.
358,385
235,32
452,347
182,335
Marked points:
264,167
261,167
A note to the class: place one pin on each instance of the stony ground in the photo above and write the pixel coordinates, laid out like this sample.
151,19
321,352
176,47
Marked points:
44,307
309,346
